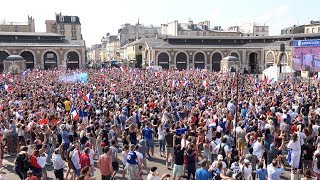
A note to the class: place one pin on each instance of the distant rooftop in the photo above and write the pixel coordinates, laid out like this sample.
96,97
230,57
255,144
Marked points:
14,23
50,21
29,34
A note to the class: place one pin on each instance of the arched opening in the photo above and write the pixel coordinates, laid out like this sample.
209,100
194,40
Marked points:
28,56
283,61
269,59
163,60
216,59
50,60
3,56
72,60
235,54
181,61
199,60
253,62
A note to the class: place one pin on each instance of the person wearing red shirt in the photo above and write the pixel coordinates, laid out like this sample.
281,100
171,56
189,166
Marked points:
84,158
36,168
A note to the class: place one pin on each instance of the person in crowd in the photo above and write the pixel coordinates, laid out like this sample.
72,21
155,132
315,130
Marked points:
132,167
105,164
204,173
22,163
275,169
262,174
76,160
135,101
295,148
58,164
154,175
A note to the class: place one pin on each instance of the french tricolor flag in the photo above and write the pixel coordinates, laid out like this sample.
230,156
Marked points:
123,68
87,97
7,87
185,83
74,113
78,92
201,101
205,83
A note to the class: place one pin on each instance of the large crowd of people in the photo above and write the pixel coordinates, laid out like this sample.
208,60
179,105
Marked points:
204,125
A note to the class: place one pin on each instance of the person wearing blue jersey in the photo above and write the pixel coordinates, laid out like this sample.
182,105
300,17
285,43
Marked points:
147,133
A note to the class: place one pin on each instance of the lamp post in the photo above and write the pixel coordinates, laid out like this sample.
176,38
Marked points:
237,96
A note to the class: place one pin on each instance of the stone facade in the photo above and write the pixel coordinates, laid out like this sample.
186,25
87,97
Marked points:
56,53
18,27
38,54
255,53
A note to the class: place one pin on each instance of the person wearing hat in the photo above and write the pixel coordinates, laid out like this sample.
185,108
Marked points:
247,169
220,160
154,175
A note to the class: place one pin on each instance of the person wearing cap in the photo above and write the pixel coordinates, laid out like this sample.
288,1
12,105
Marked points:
220,159
154,175
247,169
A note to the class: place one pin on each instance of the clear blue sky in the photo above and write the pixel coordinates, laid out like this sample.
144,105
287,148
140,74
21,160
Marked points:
101,16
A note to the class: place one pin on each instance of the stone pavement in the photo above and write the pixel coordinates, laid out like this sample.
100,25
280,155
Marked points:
157,161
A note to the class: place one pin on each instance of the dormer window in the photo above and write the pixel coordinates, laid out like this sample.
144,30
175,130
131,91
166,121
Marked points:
61,19
73,19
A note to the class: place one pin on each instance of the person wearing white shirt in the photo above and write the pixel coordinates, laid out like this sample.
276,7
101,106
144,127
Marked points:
154,175
274,170
295,146
258,148
247,170
139,156
76,160
58,164
213,146
220,159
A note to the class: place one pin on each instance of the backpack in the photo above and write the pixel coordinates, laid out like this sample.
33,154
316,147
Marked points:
23,163
216,174
222,151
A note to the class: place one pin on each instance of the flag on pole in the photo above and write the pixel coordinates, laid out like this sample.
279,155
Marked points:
78,92
87,97
74,113
205,83
7,87
123,68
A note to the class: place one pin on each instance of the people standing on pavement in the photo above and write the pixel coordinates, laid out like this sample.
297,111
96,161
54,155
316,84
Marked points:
105,164
147,133
275,169
58,164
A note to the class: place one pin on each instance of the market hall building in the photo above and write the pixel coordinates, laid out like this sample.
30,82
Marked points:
255,53
43,50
